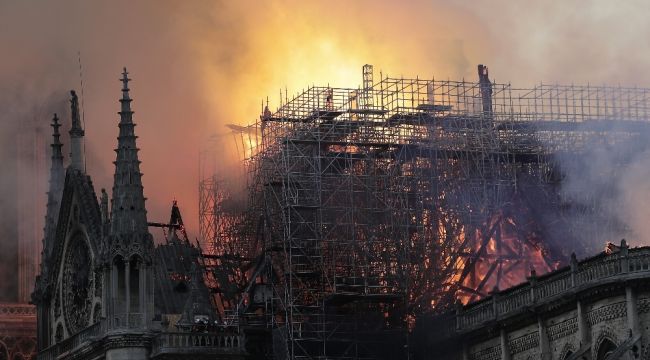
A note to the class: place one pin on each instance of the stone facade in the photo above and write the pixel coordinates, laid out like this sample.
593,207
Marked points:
597,309
95,295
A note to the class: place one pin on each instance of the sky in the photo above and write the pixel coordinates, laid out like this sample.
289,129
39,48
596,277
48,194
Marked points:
200,65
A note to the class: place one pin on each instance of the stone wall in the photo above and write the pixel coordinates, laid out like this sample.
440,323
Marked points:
592,308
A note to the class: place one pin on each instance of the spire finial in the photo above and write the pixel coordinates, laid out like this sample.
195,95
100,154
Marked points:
76,135
57,156
75,129
125,81
55,125
126,99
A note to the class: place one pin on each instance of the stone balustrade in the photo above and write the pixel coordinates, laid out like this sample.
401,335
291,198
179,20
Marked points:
622,265
88,334
163,343
189,342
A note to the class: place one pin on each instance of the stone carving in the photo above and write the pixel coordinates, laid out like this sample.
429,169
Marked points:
523,343
491,353
562,329
643,305
567,350
16,347
607,312
77,284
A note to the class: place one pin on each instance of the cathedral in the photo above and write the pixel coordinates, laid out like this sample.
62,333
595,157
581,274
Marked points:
106,289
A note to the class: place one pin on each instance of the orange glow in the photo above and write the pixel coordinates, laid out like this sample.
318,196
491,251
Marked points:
291,45
510,255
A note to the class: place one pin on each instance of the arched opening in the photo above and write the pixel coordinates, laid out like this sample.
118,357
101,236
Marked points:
26,346
120,285
134,283
97,312
568,353
58,334
606,348
4,354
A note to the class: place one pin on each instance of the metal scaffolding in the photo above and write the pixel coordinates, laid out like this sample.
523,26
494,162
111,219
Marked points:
369,206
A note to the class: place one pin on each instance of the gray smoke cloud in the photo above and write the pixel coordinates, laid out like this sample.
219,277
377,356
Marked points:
24,155
607,186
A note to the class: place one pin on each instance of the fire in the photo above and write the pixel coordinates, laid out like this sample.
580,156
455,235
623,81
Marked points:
288,45
504,254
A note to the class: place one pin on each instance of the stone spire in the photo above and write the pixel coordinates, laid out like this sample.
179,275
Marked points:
77,157
103,207
128,213
57,178
57,154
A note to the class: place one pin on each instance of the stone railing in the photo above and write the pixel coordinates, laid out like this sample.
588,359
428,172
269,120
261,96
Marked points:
191,342
620,265
73,342
8,309
163,343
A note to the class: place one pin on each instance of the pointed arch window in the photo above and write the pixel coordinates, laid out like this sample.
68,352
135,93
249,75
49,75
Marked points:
134,283
119,282
606,348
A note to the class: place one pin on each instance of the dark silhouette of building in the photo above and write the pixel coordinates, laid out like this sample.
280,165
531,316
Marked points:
105,289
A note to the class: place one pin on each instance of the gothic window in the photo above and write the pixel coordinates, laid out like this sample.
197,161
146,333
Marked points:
26,346
606,348
58,335
568,354
98,283
120,296
134,283
77,278
97,312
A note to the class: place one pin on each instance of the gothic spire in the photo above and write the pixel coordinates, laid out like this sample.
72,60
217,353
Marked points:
128,213
57,154
77,158
57,177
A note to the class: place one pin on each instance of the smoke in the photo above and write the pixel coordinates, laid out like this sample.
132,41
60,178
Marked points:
635,189
23,146
596,41
199,65
606,188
